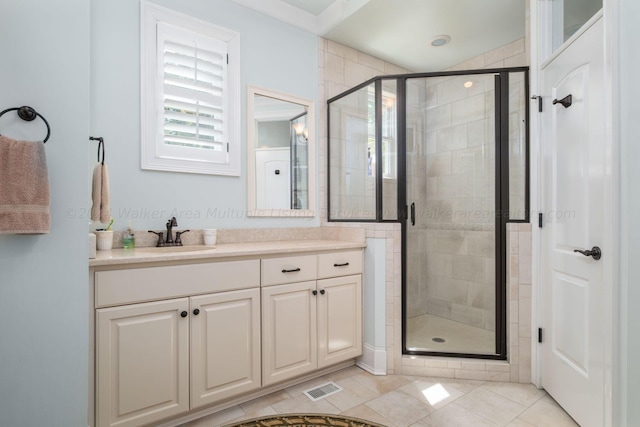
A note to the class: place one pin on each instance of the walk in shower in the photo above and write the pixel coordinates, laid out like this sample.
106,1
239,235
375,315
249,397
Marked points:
446,155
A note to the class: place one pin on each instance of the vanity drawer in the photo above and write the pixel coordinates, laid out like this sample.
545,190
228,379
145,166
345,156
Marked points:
276,271
117,287
339,264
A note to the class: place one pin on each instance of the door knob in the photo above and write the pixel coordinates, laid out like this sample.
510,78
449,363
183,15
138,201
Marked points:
184,314
196,311
594,252
314,292
565,102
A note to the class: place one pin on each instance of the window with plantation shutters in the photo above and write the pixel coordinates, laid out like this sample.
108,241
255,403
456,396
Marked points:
192,101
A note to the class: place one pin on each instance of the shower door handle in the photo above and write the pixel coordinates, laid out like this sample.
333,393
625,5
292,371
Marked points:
413,213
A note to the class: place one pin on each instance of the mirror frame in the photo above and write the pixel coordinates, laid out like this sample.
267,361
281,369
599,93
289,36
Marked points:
252,210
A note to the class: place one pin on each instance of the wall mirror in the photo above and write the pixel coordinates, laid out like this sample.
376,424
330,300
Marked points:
280,154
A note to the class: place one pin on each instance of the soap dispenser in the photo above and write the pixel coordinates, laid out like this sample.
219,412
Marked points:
129,239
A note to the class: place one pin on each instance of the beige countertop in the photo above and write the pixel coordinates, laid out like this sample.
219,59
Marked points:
139,255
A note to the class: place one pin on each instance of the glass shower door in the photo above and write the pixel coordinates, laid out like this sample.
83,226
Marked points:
450,253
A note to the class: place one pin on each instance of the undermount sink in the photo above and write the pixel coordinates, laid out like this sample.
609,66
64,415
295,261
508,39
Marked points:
170,249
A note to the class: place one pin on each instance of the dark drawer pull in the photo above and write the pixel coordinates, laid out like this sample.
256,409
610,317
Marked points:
295,270
341,265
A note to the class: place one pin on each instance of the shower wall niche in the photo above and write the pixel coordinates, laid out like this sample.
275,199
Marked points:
446,155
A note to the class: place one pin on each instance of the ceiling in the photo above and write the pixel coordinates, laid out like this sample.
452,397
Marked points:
399,31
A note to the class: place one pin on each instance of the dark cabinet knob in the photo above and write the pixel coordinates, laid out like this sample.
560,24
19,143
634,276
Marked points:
322,291
314,292
196,311
184,314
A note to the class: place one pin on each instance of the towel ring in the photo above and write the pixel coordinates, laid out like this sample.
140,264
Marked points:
28,114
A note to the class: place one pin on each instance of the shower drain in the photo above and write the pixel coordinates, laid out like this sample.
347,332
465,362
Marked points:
438,339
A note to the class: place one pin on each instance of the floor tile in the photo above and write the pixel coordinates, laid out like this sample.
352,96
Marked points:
262,405
525,394
366,413
547,413
352,395
303,404
381,383
432,393
491,406
399,408
454,415
520,423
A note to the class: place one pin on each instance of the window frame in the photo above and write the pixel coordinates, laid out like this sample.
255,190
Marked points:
152,94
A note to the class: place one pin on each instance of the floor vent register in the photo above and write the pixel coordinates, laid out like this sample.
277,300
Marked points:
322,391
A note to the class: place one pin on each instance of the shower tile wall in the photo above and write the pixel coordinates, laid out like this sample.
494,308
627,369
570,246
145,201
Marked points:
451,146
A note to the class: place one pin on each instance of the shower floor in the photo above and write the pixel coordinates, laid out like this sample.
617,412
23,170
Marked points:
458,337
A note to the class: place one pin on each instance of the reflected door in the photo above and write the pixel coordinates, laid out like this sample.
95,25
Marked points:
450,254
273,183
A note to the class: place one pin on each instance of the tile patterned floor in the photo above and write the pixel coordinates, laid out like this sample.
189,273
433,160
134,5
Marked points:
406,401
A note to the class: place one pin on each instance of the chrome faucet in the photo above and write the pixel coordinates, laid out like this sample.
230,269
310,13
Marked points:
169,240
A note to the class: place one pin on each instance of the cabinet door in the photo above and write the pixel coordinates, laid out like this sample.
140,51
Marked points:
142,363
289,340
225,345
339,319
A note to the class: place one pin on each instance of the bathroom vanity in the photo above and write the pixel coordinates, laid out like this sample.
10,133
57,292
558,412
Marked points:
179,332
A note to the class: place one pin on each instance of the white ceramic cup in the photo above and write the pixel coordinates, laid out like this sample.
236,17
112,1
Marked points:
104,240
210,235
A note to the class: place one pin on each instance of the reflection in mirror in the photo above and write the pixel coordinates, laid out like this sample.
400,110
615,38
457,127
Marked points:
280,154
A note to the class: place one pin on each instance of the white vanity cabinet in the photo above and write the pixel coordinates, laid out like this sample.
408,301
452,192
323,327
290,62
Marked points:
158,359
310,324
192,334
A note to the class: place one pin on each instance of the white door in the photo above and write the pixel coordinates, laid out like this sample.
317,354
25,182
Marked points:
574,175
273,178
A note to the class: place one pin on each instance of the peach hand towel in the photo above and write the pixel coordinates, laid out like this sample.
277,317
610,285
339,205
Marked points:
100,210
24,187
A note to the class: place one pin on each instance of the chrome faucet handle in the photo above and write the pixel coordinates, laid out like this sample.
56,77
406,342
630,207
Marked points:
178,240
160,237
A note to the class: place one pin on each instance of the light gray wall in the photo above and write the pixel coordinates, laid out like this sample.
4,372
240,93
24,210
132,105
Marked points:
274,55
44,46
628,33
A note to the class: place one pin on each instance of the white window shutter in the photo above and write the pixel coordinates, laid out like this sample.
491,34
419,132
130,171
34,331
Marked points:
191,107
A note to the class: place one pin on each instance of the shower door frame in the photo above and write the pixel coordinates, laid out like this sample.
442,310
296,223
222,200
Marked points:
501,199
501,186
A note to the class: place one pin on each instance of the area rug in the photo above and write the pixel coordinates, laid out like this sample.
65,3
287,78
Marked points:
305,420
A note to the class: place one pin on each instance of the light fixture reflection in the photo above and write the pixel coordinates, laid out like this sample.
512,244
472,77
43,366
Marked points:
435,394
468,84
301,132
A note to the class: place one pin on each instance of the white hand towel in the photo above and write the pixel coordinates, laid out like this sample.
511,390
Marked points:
24,187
